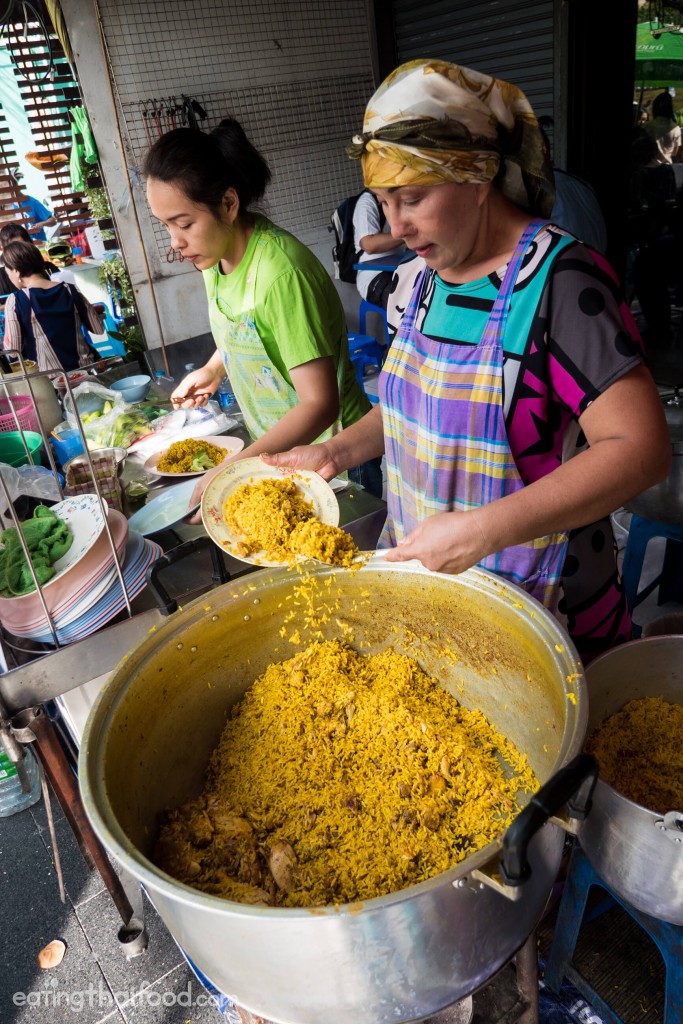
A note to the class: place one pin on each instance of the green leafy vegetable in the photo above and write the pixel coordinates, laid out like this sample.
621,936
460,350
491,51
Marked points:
201,461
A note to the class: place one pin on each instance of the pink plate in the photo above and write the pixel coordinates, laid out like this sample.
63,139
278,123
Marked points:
80,581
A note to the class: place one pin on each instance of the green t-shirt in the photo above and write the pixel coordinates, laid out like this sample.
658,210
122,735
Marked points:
297,312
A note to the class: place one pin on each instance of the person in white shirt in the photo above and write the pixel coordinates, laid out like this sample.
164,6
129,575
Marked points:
372,238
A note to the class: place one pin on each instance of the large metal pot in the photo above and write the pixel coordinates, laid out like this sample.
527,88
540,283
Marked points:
397,958
638,852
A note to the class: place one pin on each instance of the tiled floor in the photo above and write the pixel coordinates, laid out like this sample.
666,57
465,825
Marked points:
94,981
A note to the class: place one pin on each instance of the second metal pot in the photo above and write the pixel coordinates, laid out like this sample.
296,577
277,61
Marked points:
638,852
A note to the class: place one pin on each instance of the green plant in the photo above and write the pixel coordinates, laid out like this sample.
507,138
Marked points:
114,277
132,339
98,203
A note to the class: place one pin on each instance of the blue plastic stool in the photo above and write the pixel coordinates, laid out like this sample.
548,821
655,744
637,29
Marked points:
670,579
369,307
365,351
667,937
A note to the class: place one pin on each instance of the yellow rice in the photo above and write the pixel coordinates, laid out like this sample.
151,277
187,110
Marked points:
178,457
341,777
640,753
273,517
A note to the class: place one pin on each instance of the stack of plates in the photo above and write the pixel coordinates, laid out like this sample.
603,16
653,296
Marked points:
86,592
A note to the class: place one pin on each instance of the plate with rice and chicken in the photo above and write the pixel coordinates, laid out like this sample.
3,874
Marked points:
193,456
274,517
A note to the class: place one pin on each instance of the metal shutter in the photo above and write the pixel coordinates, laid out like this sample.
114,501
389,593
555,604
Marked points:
499,37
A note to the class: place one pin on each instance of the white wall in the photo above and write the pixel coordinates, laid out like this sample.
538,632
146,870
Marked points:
296,73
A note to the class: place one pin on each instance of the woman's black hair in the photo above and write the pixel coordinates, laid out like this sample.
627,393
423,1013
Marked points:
25,258
12,232
205,166
663,106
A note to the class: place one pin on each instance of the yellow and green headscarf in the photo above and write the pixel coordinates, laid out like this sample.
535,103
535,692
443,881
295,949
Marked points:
431,121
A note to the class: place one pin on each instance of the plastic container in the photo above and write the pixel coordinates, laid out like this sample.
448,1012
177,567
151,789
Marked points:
12,796
225,395
66,444
79,478
164,382
12,450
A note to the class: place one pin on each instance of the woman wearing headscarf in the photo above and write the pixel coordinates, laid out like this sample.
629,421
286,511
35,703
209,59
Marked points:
515,410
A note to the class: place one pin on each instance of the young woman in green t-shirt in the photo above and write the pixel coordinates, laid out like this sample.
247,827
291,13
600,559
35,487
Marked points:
275,314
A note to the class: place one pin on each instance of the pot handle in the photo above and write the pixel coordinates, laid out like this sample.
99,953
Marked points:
168,605
572,785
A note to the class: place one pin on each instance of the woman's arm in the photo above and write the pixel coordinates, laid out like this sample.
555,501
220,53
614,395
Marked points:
12,340
360,442
629,451
94,316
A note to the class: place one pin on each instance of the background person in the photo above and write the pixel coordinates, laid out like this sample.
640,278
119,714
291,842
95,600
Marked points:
43,320
515,410
275,314
656,227
664,128
15,231
372,238
36,216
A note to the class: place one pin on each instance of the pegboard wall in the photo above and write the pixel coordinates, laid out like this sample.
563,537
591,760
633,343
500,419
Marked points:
296,74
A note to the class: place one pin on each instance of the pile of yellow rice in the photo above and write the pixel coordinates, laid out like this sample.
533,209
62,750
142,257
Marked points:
341,777
273,518
178,457
640,753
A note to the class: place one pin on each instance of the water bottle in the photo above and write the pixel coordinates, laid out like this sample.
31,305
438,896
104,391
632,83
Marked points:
165,383
225,394
12,796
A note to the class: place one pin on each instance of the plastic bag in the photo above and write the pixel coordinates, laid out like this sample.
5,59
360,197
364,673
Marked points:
26,481
129,426
98,408
181,424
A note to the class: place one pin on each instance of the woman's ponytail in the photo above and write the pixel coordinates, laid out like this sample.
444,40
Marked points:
205,166
250,170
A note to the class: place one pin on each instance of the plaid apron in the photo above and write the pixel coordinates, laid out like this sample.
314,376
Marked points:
446,442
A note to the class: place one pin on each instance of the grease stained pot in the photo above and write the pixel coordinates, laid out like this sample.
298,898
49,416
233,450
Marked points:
638,852
399,957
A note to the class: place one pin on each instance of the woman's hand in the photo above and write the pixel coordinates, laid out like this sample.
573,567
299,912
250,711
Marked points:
197,388
448,542
314,457
200,487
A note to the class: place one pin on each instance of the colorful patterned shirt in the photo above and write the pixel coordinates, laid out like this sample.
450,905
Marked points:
570,338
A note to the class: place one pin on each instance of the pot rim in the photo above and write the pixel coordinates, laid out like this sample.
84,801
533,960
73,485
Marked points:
94,792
